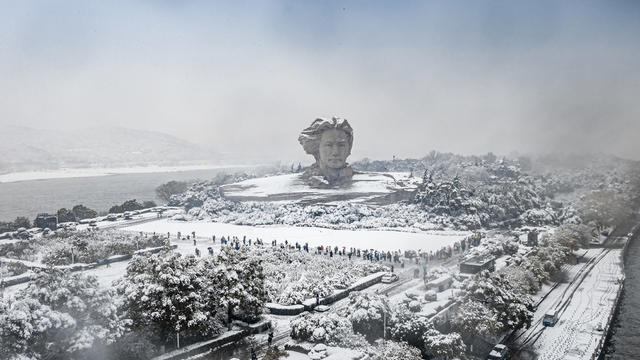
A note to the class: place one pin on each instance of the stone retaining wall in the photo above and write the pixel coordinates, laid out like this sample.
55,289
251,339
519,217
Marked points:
221,340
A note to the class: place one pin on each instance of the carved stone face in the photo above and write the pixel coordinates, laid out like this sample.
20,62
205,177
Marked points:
334,149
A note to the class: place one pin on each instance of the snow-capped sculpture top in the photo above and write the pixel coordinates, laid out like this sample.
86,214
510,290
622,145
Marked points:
330,142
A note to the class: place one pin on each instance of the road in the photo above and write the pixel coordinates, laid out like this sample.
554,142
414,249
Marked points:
585,303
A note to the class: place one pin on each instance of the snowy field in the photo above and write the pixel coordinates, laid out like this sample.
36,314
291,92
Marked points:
585,305
289,187
363,239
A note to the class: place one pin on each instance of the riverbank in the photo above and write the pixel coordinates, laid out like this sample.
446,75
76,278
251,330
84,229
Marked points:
98,191
622,340
98,171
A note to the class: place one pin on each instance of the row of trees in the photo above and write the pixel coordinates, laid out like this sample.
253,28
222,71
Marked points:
131,205
93,246
19,222
77,213
62,315
495,302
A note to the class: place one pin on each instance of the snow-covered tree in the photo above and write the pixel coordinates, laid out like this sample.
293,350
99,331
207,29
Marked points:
605,208
237,283
166,292
330,329
445,346
513,308
416,330
573,235
473,318
59,316
408,326
367,313
394,350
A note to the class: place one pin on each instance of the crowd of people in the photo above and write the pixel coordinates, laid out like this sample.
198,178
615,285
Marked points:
371,255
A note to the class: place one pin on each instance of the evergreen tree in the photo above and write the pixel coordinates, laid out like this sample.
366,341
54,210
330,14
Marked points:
82,212
65,215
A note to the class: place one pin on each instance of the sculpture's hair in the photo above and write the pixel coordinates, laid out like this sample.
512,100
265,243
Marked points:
310,137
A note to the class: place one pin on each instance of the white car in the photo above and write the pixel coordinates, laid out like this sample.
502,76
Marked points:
388,278
499,352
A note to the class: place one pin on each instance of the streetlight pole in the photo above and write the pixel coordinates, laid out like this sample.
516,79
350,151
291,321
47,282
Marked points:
1,281
384,326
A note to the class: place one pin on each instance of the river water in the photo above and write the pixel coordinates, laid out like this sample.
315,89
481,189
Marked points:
28,198
625,339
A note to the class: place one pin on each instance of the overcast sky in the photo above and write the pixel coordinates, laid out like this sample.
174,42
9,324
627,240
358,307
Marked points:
467,77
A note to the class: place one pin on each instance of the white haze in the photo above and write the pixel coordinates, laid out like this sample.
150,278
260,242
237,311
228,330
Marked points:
470,77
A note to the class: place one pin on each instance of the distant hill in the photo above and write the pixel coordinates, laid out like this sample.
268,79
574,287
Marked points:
27,149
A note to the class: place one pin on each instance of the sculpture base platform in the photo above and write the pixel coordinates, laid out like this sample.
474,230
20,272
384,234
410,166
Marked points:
372,188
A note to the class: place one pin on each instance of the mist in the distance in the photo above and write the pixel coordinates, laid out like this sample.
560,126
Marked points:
245,78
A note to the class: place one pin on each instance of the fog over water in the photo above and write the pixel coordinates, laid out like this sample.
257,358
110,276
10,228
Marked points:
246,77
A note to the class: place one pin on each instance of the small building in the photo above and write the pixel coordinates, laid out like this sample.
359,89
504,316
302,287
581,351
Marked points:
430,295
45,220
477,264
440,284
532,238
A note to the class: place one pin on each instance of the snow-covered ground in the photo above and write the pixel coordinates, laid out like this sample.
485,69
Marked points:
585,305
289,187
90,172
363,239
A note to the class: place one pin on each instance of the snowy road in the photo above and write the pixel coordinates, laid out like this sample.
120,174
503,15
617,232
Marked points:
585,304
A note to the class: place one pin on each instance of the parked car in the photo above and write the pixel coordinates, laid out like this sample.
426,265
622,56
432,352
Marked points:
499,352
550,318
322,308
389,278
70,225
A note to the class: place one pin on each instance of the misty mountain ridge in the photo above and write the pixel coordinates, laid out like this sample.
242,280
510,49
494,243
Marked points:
27,149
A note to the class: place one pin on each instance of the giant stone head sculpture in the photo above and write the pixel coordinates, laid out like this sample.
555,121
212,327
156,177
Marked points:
330,142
